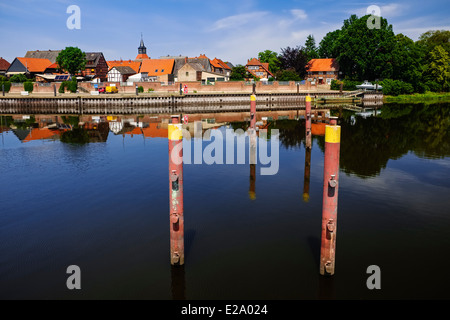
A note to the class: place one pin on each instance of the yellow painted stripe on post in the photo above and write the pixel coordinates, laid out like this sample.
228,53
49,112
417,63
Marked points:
252,97
308,99
175,132
333,134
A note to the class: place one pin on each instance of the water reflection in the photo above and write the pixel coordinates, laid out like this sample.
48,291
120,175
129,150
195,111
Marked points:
370,137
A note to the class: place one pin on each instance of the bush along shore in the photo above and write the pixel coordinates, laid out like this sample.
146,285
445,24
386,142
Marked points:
419,97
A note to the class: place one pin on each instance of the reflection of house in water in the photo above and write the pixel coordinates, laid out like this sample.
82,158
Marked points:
97,132
26,135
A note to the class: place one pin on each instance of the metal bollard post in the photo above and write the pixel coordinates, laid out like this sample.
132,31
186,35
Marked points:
330,197
308,136
176,192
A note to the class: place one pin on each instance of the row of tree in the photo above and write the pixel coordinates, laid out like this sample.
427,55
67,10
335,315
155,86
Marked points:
372,54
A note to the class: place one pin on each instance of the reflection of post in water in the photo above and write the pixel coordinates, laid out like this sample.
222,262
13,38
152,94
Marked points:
308,121
176,192
178,285
252,158
253,111
330,197
307,174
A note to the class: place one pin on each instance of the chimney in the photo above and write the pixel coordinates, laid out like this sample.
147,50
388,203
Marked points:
185,59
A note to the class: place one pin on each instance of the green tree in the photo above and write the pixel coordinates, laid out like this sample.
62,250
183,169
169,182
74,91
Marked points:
310,48
438,68
287,75
18,78
71,60
327,47
365,54
433,38
407,59
238,73
271,58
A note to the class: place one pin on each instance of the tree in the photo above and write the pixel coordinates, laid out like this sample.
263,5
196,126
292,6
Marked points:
18,78
407,59
71,60
287,75
310,48
433,38
294,59
327,47
271,58
238,73
365,54
438,68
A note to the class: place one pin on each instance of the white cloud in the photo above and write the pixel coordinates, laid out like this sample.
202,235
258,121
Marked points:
239,20
299,14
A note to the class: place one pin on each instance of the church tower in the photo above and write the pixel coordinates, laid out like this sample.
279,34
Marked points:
142,51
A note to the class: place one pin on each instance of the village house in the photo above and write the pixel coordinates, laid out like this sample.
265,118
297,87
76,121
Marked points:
28,66
322,71
135,65
96,66
158,69
258,69
46,54
120,73
218,66
4,65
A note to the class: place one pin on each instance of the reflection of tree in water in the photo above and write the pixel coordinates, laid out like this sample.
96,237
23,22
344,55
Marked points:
75,136
291,132
367,146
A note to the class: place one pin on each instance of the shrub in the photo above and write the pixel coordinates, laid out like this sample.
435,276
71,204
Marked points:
6,84
149,89
396,87
62,87
140,89
347,85
433,86
18,78
72,85
28,86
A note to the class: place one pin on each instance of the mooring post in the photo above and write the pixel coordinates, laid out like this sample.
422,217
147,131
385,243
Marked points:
54,90
253,111
137,90
308,137
252,190
176,191
307,174
330,197
181,89
3,89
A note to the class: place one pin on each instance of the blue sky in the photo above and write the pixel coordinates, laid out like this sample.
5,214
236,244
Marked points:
233,30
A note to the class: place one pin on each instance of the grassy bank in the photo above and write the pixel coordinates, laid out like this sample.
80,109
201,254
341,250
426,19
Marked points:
419,98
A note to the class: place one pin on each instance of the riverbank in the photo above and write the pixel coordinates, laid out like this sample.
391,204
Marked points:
418,98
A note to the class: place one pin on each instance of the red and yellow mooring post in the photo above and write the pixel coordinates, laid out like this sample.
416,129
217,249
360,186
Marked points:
176,191
330,197
253,111
308,122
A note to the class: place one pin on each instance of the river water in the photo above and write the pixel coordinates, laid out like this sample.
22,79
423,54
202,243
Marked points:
98,198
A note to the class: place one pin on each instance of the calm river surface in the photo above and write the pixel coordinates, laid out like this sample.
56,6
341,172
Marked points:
104,206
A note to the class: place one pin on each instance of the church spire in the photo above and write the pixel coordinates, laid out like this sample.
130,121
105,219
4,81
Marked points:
142,49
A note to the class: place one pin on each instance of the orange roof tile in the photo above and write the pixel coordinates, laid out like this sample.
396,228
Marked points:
157,67
4,65
35,64
315,65
154,131
135,65
142,56
225,66
39,134
254,62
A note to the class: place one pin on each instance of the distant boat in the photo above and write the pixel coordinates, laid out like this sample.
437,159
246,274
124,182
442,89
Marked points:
369,86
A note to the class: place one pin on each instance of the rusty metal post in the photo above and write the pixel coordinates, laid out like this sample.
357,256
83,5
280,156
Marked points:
253,111
308,136
330,197
307,175
252,190
176,192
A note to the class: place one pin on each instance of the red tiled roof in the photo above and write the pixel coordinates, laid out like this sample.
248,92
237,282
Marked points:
155,67
53,66
135,65
254,62
318,129
44,133
142,56
323,65
217,63
35,64
154,131
4,65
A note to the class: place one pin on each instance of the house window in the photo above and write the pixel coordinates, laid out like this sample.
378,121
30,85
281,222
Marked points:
156,70
187,74
162,70
259,74
320,72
